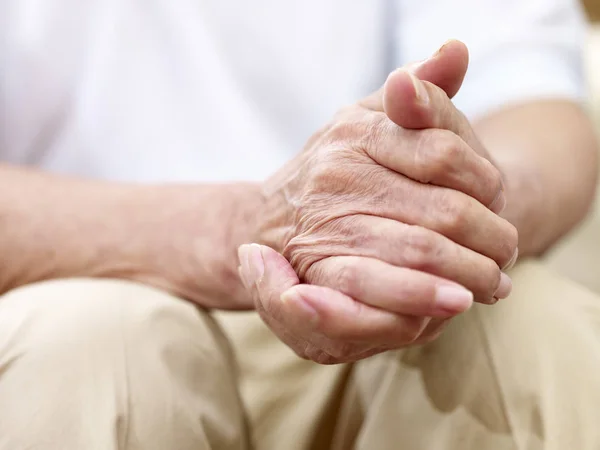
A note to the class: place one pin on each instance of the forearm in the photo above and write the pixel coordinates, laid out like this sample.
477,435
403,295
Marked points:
548,154
56,227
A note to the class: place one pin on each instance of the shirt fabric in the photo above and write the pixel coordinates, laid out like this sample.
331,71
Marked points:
213,90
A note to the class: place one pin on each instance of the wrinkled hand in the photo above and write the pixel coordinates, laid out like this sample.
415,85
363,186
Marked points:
384,216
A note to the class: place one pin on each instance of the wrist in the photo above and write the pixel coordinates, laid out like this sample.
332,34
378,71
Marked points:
242,214
191,238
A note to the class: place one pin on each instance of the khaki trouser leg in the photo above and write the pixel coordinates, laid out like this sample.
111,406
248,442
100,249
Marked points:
523,374
92,364
114,365
291,403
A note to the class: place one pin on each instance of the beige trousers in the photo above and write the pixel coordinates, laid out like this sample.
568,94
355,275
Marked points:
106,364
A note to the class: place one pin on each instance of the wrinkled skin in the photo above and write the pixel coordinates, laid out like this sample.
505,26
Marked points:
392,203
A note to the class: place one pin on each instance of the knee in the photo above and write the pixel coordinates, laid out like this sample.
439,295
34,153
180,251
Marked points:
73,320
122,360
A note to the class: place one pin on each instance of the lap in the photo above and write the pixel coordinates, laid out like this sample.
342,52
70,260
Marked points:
522,374
519,375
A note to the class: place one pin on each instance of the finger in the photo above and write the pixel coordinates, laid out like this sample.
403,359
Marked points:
448,212
465,221
266,275
341,318
439,157
415,104
417,96
391,288
453,214
402,246
446,68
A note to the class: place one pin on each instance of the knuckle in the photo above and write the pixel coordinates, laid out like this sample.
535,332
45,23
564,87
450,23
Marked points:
355,125
360,129
378,127
342,130
304,258
348,279
324,169
438,153
449,150
454,214
420,248
336,171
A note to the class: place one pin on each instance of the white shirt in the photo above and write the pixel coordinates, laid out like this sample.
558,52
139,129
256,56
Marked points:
211,90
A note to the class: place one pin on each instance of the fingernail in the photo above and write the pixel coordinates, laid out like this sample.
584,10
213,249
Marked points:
499,203
504,287
292,296
439,50
252,263
420,89
453,299
512,261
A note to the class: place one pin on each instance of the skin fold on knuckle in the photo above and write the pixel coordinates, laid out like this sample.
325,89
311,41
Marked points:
379,129
437,154
310,253
453,215
450,151
349,278
303,257
349,130
421,251
339,184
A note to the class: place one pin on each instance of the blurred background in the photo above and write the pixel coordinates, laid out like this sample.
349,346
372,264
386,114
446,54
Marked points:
593,53
573,257
593,7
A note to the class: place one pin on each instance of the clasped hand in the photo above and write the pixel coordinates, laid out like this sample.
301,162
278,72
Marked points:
385,226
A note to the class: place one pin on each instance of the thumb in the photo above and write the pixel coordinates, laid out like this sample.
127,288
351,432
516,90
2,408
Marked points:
414,102
401,95
446,68
266,275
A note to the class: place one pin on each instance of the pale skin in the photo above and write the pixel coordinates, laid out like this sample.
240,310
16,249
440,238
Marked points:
423,196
